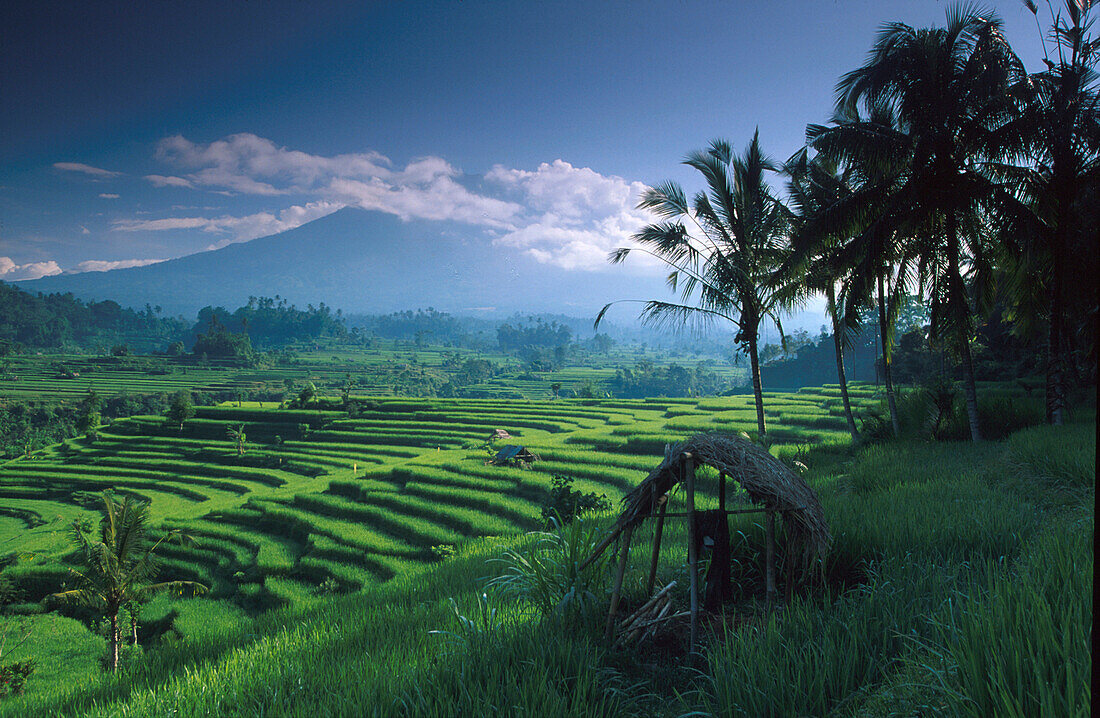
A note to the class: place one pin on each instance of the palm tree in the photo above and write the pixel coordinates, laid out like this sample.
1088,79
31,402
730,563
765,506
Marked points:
816,261
722,248
874,262
1058,136
236,433
949,90
119,564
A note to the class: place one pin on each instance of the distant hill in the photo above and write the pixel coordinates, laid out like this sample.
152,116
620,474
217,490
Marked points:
361,261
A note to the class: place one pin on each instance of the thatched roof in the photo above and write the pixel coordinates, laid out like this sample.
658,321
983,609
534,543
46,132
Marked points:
766,479
512,452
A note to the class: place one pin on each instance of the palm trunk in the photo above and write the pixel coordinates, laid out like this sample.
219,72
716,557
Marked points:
115,640
886,373
757,388
1056,351
839,345
958,292
971,390
133,627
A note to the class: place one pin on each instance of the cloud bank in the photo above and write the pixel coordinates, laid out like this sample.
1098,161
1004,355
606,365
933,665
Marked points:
85,169
12,272
557,213
102,265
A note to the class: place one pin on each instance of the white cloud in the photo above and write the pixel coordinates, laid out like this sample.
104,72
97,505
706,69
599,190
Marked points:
108,195
86,169
242,229
250,164
163,181
557,213
102,265
575,214
12,272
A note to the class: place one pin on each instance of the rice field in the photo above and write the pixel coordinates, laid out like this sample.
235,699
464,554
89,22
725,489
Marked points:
341,540
321,497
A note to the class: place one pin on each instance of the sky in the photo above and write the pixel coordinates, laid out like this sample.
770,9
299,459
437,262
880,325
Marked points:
133,133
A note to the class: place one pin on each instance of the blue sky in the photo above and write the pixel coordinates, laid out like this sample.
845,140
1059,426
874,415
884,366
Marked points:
145,132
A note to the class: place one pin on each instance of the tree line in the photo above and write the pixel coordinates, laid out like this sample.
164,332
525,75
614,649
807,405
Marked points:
947,171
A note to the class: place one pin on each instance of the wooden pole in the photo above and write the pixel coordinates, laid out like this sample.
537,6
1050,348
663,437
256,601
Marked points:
769,557
788,554
618,587
656,547
722,491
693,551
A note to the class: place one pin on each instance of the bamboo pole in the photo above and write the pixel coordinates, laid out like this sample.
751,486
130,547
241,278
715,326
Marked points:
693,551
769,558
656,546
788,554
616,591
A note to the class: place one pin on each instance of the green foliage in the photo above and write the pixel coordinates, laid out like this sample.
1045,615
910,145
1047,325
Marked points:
220,343
57,320
548,575
181,409
566,503
1018,647
13,676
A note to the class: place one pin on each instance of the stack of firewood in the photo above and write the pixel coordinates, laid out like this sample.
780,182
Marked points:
649,617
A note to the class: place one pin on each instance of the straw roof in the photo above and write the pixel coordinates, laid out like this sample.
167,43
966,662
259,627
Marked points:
766,479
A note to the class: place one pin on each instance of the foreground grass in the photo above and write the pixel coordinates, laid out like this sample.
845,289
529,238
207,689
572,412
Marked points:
972,596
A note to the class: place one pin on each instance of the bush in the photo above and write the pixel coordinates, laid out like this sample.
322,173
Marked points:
549,577
566,503
13,677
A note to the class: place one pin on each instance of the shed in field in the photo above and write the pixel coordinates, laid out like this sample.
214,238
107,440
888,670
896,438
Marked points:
766,480
512,453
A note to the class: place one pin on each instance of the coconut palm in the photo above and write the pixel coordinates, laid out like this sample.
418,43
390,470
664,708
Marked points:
1057,135
119,564
722,248
949,90
874,263
815,264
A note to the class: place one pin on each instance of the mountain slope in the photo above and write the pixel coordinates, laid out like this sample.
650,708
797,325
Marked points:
363,261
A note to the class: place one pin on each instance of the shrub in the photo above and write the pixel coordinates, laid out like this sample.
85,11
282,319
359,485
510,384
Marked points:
13,677
548,575
566,503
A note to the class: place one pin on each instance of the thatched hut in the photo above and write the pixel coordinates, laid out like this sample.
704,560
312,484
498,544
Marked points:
513,454
766,480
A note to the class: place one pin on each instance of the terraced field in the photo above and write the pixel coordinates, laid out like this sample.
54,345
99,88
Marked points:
324,498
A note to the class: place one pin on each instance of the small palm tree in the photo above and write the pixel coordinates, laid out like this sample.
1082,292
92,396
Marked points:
237,434
119,565
722,248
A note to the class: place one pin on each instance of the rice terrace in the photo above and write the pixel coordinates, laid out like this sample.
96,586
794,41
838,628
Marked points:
292,427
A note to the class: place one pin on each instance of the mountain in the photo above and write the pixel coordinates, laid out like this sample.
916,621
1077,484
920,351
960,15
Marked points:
362,261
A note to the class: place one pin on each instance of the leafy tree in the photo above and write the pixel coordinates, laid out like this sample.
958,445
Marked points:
220,342
307,394
723,261
345,389
88,416
119,564
181,409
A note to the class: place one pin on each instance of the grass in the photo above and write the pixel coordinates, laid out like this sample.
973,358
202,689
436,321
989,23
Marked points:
331,595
